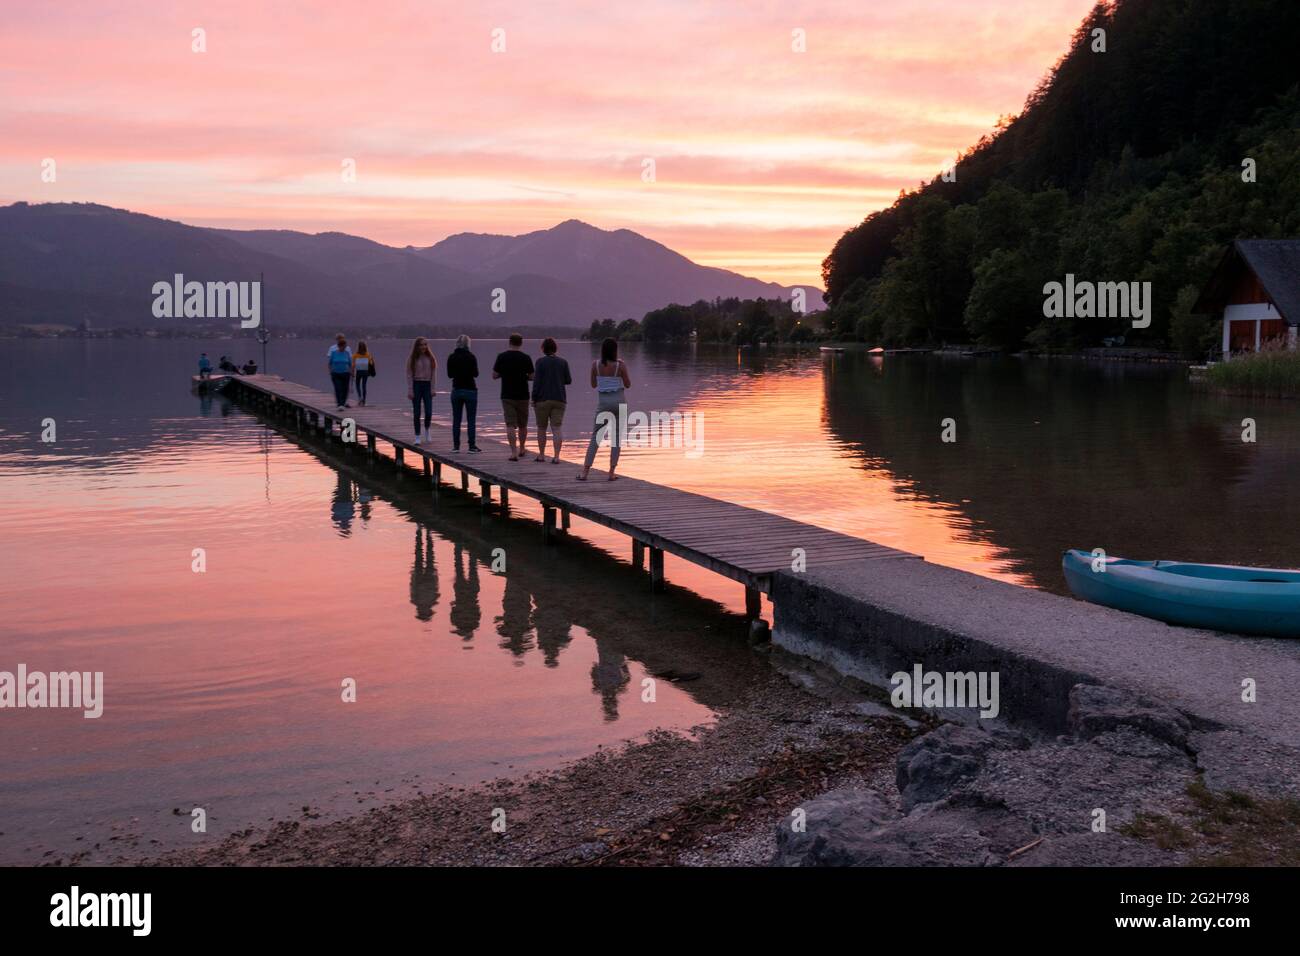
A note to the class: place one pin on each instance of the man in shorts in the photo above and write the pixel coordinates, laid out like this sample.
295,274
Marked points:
515,369
549,398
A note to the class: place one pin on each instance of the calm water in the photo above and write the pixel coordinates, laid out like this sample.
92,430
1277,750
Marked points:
222,689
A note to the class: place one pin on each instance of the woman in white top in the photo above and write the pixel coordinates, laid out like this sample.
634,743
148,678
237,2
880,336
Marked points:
609,378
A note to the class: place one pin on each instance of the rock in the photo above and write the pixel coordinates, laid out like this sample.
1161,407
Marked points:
858,828
932,766
836,826
589,850
1095,710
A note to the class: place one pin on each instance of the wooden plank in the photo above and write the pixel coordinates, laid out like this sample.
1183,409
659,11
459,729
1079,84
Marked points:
743,543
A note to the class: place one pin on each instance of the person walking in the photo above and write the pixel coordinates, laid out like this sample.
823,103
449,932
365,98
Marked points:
515,369
610,379
549,399
363,370
419,386
462,369
340,365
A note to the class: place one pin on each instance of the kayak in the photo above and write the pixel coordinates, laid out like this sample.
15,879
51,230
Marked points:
1218,597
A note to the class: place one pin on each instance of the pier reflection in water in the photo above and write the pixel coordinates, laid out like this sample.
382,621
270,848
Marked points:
222,689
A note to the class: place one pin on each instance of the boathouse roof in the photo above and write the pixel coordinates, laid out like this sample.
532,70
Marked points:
1275,263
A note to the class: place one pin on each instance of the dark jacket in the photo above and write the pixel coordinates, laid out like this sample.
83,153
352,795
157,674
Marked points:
462,369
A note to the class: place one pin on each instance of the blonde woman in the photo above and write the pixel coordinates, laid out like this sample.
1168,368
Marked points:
420,368
363,368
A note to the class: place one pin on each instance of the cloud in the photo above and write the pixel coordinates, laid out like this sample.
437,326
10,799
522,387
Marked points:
752,141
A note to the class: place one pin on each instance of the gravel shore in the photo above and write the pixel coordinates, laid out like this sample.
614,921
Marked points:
707,798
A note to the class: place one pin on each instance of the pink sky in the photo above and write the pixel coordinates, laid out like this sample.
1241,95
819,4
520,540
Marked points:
763,156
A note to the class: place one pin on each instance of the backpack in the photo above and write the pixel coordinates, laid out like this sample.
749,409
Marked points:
340,362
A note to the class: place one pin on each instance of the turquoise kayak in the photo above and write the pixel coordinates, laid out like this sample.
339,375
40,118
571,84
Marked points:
1218,597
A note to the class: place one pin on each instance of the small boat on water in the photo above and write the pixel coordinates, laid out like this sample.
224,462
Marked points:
1218,597
212,383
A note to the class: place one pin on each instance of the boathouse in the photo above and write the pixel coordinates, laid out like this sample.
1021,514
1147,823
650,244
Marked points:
1255,293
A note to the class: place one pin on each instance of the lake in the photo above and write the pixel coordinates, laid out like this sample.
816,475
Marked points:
222,689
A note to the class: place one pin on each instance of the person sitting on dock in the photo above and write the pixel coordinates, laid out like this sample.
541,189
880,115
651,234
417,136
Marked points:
340,365
250,368
228,366
515,369
205,366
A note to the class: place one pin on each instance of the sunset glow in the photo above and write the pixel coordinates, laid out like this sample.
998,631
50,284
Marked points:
763,155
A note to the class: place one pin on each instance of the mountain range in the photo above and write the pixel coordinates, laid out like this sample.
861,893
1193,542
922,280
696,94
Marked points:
68,262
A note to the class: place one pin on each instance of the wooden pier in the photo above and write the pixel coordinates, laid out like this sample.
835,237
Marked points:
744,544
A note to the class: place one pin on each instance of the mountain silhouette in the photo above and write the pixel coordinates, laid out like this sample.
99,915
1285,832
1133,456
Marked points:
65,262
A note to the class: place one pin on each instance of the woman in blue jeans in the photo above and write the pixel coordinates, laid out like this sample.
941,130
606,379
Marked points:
462,369
419,386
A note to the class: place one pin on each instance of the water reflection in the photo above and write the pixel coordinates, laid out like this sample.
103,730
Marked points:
1053,455
609,678
515,622
342,507
466,615
424,575
554,627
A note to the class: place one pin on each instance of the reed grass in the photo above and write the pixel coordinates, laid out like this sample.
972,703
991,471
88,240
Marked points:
1274,371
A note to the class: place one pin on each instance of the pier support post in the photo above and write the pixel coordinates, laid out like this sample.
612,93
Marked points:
656,569
464,482
505,497
370,444
437,479
428,467
638,554
753,604
548,524
564,519
399,455
484,494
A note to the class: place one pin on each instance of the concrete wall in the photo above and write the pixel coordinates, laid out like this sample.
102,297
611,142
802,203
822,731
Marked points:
870,619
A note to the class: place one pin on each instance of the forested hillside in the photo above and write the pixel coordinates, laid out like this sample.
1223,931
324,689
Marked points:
1125,165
